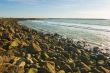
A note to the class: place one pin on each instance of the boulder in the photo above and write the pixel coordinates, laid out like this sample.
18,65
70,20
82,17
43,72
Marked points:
50,67
87,68
1,60
23,43
8,68
95,49
14,43
12,30
70,61
61,71
32,70
46,37
6,59
45,55
36,47
21,70
101,62
29,58
95,70
1,49
0,34
45,46
59,48
104,69
16,59
22,64
67,68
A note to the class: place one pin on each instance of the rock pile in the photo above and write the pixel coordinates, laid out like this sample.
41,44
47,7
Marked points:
24,50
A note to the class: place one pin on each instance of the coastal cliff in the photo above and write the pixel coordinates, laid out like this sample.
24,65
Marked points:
24,50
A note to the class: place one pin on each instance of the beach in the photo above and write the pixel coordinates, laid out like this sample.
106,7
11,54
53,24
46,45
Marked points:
26,50
92,31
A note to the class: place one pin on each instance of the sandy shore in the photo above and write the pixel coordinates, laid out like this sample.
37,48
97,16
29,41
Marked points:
24,50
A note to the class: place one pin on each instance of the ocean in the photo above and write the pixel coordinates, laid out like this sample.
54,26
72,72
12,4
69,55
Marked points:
96,31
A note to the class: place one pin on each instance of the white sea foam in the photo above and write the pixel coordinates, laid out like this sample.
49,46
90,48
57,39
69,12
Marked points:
83,26
93,33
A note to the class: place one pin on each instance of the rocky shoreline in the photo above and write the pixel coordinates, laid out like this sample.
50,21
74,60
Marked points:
24,50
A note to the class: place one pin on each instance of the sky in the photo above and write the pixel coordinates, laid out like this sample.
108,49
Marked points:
55,8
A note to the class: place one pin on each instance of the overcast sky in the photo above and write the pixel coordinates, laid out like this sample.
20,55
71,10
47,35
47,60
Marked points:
55,8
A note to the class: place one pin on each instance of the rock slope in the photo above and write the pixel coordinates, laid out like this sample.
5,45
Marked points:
24,50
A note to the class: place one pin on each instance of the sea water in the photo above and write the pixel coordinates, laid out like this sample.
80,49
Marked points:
95,31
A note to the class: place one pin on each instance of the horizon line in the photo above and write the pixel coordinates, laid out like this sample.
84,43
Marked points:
54,18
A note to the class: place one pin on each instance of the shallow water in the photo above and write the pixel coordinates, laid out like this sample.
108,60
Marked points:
94,31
